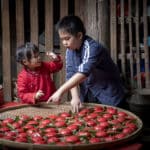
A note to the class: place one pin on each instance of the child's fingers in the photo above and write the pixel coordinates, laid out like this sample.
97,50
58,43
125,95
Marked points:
80,105
52,55
49,100
75,109
48,53
40,92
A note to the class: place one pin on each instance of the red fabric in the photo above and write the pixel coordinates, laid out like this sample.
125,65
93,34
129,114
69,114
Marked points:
28,83
11,104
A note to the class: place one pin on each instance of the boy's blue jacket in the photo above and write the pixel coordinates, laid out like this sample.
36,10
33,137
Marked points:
94,61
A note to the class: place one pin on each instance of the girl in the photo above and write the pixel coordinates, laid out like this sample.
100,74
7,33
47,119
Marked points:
34,83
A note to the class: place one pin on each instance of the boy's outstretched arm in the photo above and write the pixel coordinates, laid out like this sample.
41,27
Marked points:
72,82
75,101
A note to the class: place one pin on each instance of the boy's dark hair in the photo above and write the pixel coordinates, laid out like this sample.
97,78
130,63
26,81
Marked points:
71,24
26,51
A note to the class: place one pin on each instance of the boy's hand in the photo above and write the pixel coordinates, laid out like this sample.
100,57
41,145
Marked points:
39,94
56,97
76,105
52,56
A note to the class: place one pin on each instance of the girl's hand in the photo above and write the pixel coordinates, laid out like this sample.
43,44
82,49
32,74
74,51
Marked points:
52,56
76,104
39,94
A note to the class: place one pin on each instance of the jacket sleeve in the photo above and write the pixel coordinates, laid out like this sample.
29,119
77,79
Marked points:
90,59
55,66
22,90
69,65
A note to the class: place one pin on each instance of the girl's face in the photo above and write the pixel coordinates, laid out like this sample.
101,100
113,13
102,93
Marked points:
34,62
70,41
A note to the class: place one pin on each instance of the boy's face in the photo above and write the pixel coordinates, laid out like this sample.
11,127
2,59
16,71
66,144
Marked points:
70,41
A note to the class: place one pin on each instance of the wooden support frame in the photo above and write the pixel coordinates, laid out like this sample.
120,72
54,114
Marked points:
49,25
146,50
113,31
19,27
130,44
34,22
131,52
6,53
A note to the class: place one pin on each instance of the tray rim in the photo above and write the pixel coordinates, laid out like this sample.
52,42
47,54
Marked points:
73,146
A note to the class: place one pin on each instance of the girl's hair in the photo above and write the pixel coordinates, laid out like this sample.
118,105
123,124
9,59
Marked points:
71,24
26,52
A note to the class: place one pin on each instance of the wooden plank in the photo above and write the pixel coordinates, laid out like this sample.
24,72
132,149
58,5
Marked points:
62,73
19,27
113,31
143,91
49,25
81,11
128,55
146,50
19,23
6,54
130,42
77,8
49,33
92,15
137,45
34,21
122,38
63,12
102,22
63,8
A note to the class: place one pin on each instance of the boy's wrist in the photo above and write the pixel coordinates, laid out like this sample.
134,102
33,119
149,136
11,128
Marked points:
60,91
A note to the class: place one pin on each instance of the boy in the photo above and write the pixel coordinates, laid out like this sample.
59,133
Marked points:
89,66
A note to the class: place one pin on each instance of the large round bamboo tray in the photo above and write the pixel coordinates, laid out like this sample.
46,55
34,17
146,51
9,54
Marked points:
44,110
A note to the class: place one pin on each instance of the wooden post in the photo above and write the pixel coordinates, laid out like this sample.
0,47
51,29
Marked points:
80,10
34,21
90,21
62,74
49,25
130,43
146,50
137,46
113,31
19,26
49,29
6,55
122,39
102,19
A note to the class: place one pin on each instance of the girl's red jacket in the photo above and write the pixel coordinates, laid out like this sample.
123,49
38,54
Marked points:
28,82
